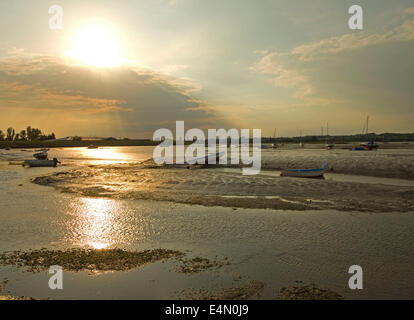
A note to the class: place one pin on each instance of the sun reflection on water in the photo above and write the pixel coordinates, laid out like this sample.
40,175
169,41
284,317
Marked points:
96,224
105,155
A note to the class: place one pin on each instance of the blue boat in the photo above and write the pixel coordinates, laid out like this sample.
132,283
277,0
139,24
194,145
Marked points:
305,173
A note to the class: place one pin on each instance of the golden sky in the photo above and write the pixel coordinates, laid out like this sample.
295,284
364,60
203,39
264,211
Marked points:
127,68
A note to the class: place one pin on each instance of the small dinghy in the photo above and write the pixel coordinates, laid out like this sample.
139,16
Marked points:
41,163
264,146
370,145
305,173
40,155
208,159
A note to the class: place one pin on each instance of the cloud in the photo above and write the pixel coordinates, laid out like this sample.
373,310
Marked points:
353,70
116,101
352,41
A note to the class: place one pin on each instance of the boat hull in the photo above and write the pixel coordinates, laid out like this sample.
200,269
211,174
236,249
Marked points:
40,156
208,159
304,173
41,163
369,146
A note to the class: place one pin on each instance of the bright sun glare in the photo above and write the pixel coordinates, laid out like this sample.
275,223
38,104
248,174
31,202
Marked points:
96,46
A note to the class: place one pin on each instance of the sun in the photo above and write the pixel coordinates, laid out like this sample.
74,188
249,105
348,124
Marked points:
95,45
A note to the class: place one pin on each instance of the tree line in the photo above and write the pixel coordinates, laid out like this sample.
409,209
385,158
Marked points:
30,134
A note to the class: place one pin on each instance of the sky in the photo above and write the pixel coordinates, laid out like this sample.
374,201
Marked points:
127,68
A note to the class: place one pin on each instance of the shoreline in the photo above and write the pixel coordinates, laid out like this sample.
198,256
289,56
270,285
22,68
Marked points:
288,144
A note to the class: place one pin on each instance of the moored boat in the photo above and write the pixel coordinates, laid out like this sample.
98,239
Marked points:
208,159
328,145
305,173
370,145
41,163
40,155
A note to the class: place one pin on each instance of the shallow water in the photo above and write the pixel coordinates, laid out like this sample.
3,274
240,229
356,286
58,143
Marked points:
276,247
385,163
102,155
342,178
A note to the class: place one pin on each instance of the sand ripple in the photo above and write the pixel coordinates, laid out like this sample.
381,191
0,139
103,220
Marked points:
211,187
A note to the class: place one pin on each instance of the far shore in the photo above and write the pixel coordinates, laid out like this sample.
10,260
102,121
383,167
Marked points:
76,143
148,142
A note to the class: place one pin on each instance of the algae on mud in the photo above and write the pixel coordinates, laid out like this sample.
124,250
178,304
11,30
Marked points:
308,292
246,291
198,264
77,259
86,259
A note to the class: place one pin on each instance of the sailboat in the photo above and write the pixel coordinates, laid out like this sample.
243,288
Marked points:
274,145
371,144
301,144
328,145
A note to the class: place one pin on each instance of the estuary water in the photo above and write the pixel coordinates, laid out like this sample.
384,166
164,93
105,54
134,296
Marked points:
280,248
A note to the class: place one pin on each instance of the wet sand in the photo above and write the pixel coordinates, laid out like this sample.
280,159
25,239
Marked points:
387,163
215,187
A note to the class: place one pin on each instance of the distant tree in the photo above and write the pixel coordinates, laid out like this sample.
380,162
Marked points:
10,134
22,135
2,135
47,137
28,132
76,138
33,133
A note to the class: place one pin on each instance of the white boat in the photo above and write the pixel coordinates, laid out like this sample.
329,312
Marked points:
305,173
41,163
208,159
